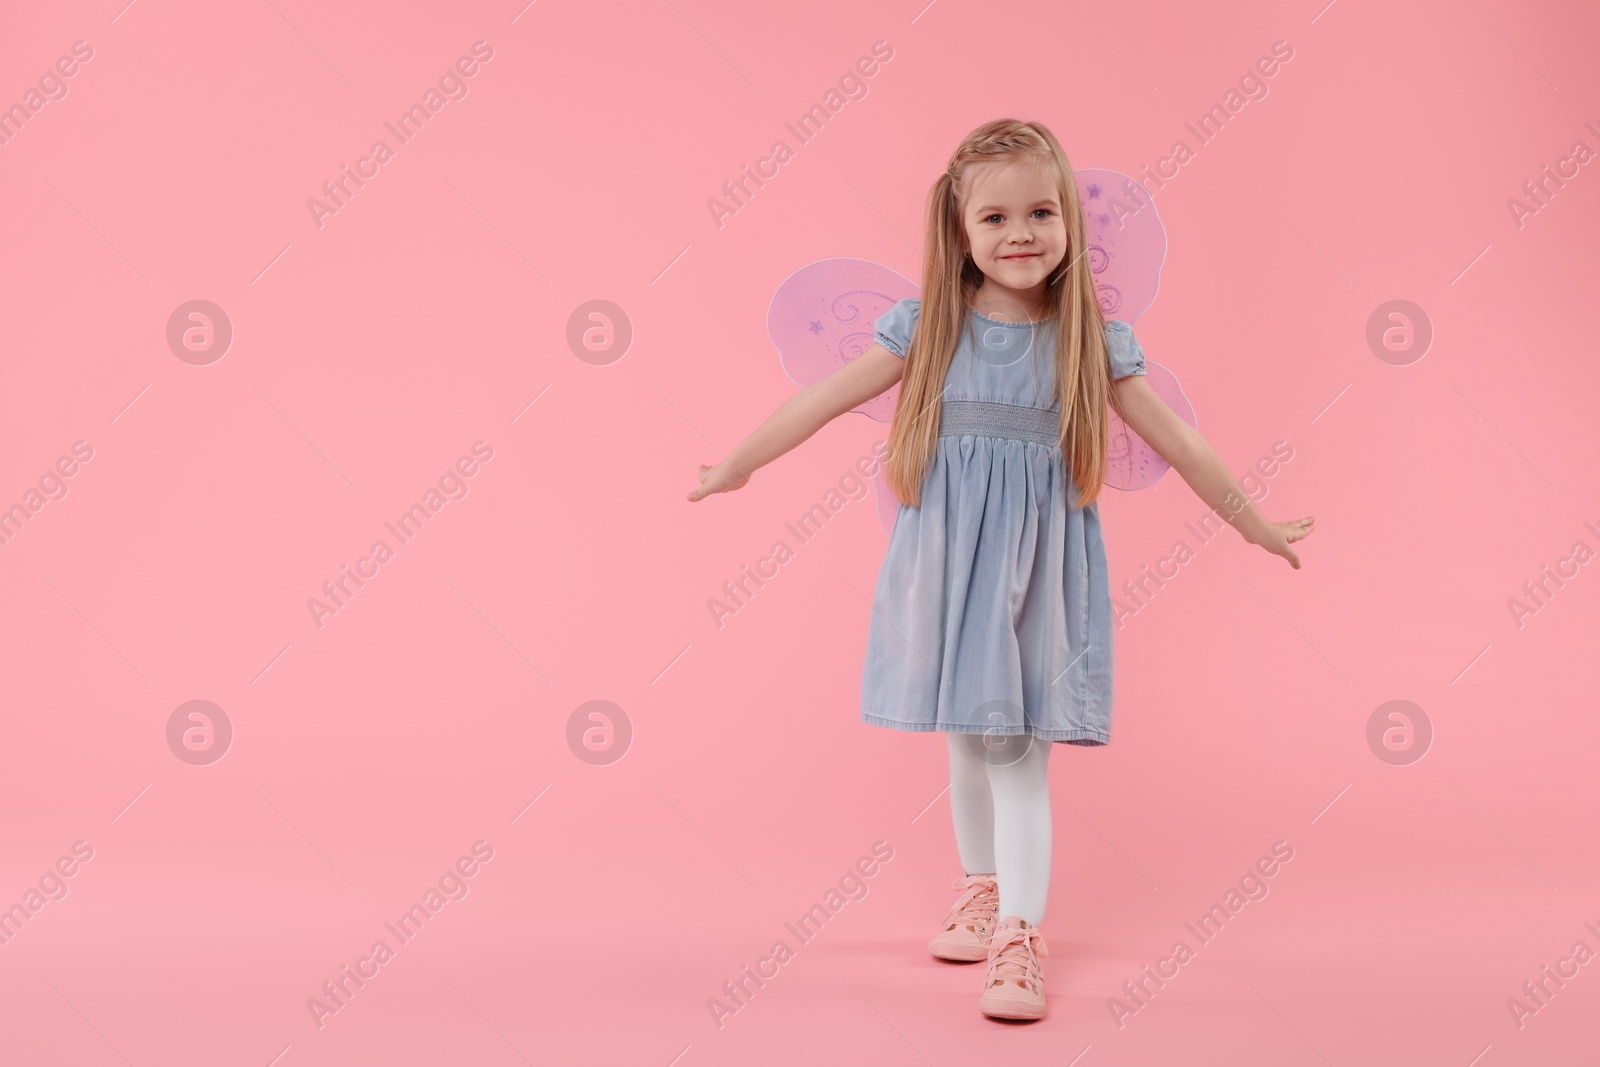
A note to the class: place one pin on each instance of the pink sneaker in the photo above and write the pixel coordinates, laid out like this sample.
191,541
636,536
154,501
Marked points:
965,937
1015,987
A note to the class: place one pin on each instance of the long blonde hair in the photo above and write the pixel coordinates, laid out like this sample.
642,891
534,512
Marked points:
949,283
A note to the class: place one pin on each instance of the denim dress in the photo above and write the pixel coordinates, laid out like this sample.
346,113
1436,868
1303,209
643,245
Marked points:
992,612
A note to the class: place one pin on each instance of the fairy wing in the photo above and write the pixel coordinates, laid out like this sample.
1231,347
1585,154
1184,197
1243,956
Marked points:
1127,246
821,318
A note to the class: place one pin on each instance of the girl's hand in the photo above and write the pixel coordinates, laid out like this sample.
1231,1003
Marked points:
1278,536
719,479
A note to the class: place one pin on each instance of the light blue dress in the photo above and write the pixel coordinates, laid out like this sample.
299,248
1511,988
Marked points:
992,613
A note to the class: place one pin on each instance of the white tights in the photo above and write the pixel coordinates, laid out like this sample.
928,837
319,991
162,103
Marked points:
1000,803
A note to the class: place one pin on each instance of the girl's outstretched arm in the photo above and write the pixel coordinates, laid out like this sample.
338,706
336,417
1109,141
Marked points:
802,415
1198,464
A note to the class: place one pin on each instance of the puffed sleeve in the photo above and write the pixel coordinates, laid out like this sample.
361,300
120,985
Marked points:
893,328
1126,355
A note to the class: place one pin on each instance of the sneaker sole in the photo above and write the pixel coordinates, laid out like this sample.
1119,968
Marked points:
954,956
1011,1009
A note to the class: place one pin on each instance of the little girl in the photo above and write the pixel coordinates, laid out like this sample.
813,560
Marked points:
991,621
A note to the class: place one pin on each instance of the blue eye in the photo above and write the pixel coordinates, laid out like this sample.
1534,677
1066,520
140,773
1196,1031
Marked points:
1036,210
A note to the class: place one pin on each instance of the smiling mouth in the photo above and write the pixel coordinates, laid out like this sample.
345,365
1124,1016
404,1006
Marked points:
1023,255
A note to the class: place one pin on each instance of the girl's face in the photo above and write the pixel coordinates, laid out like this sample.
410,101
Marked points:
1014,228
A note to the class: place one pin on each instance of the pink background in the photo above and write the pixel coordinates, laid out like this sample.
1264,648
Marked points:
369,354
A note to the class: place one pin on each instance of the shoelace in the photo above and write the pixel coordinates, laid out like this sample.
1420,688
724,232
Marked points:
977,905
1014,956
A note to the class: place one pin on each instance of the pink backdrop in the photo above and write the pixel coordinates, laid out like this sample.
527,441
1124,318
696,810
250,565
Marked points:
172,558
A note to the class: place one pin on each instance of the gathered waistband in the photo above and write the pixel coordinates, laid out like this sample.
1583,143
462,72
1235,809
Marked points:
988,419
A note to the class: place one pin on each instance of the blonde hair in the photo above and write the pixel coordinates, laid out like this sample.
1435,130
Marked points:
949,283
